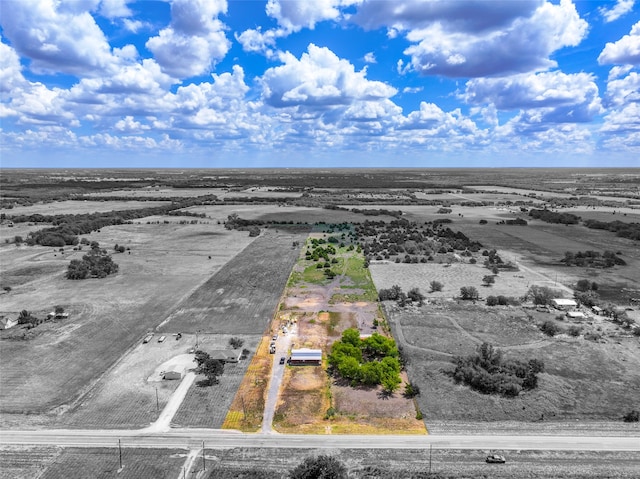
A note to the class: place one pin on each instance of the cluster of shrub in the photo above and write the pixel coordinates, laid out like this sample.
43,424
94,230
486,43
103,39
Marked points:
593,259
516,222
97,263
395,293
624,230
234,222
378,212
369,361
553,217
489,373
417,243
500,301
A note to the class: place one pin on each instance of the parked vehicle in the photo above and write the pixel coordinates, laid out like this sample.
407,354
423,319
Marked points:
161,339
272,348
275,336
495,459
282,360
147,338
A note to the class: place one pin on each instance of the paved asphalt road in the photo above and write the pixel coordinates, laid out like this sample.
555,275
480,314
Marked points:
219,439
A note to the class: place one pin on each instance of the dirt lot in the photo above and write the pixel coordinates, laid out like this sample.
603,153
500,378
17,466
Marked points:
167,263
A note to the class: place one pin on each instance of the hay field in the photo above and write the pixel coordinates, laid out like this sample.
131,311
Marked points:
242,297
70,207
168,262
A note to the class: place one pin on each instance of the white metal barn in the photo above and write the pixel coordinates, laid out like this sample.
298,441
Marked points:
306,356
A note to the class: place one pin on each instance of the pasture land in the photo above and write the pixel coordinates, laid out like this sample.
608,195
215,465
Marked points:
81,463
242,297
416,463
166,264
583,380
71,207
208,406
279,214
541,246
453,276
20,462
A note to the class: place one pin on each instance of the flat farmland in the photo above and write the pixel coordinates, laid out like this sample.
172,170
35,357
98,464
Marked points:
280,214
166,264
76,463
583,380
19,462
242,297
443,463
70,207
453,276
208,406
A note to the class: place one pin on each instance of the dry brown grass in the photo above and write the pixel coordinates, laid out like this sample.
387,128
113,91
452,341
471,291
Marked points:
247,409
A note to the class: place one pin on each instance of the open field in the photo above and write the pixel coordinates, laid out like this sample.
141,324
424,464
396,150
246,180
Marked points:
445,464
70,207
167,263
278,213
105,463
583,380
243,296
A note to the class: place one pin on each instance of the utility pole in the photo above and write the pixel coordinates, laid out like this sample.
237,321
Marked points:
157,401
204,463
120,453
430,446
244,410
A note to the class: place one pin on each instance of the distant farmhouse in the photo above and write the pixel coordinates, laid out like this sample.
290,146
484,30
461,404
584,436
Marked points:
7,322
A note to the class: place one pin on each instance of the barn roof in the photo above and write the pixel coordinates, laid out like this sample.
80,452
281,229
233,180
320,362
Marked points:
306,354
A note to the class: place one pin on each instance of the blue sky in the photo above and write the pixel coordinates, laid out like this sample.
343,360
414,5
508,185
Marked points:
319,83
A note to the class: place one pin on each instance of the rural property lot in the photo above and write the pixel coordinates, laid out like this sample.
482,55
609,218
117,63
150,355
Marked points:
584,380
167,263
242,297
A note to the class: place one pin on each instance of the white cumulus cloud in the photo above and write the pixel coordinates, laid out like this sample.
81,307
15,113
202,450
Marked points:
319,78
193,41
558,97
624,51
58,37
